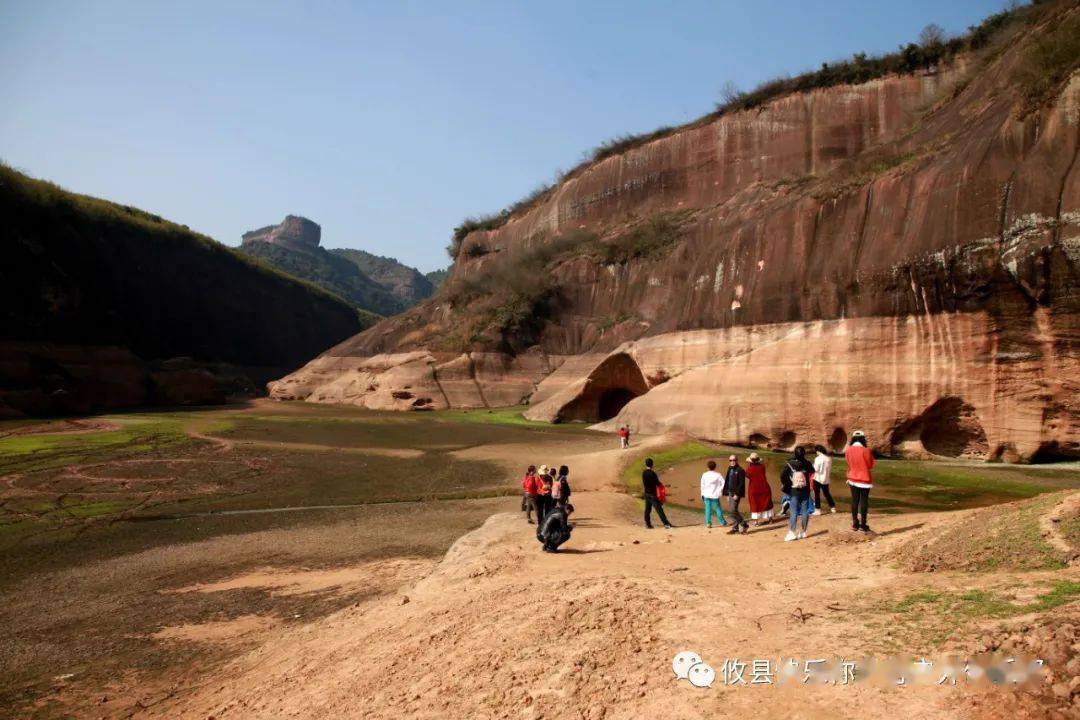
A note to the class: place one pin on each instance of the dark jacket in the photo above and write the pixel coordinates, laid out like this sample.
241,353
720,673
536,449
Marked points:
564,488
555,526
649,481
735,481
796,463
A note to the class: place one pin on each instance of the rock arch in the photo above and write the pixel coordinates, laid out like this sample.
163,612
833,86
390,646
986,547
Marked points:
608,388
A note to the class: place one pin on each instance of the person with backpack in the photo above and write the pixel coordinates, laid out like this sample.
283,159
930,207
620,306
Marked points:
712,487
797,471
545,488
822,470
650,483
556,528
860,462
758,492
735,489
560,489
526,504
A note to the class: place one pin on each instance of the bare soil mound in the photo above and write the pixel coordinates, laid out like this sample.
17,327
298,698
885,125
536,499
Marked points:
1005,537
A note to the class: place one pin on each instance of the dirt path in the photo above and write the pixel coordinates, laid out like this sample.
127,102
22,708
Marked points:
1049,525
499,629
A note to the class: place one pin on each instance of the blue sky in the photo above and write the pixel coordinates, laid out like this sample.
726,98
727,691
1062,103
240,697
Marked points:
385,122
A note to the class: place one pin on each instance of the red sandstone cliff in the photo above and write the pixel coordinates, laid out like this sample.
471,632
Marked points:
900,255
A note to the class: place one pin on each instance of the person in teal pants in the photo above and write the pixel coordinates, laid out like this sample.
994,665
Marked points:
712,489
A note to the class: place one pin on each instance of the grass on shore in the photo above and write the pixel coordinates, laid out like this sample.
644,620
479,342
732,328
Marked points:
1002,537
925,620
686,452
513,415
137,433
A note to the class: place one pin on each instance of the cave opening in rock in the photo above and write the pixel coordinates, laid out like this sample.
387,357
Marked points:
612,401
787,441
838,440
951,428
1054,451
610,386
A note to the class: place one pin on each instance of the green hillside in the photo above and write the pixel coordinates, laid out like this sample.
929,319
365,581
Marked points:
406,283
330,272
82,272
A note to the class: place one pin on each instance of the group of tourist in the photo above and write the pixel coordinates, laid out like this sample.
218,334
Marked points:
802,485
546,492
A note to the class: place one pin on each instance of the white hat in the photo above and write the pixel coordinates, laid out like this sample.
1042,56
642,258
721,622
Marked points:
543,470
858,433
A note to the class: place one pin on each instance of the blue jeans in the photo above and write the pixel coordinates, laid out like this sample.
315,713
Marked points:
713,505
800,506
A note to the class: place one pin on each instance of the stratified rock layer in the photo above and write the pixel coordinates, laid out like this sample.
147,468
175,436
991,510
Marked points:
899,256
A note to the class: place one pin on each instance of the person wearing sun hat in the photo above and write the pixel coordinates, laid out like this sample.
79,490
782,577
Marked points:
758,492
535,489
860,463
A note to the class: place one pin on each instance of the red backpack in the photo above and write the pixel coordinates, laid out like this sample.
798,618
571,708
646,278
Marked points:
661,492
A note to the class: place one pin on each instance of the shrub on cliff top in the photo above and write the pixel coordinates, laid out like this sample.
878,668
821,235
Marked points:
1049,64
932,50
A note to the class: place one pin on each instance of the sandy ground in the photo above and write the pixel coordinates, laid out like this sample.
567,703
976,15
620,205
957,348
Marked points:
499,629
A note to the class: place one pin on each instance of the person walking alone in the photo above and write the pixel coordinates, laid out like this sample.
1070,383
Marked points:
860,463
735,489
650,481
822,471
797,470
758,492
624,437
712,487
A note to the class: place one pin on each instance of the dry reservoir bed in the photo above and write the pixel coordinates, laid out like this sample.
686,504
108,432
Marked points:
140,553
147,548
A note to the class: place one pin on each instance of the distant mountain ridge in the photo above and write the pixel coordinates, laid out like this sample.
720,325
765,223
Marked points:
437,277
369,282
404,282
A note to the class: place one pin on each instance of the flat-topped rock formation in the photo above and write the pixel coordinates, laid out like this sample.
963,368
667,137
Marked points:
295,232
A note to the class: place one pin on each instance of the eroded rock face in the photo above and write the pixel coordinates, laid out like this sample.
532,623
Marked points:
917,385
294,232
900,256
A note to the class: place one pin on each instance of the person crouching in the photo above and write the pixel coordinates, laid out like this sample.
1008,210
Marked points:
555,530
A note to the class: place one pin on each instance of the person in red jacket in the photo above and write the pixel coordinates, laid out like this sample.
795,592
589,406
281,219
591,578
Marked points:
525,506
533,501
860,462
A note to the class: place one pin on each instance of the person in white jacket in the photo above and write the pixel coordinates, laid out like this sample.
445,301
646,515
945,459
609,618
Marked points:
712,489
822,470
